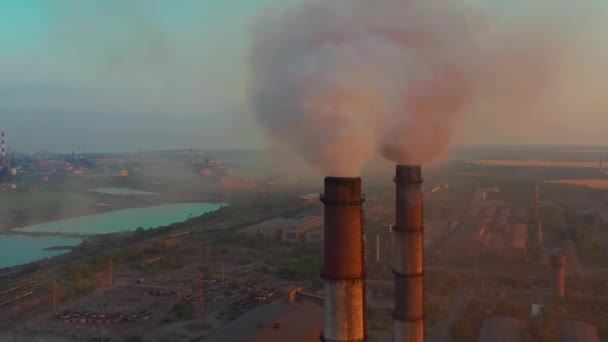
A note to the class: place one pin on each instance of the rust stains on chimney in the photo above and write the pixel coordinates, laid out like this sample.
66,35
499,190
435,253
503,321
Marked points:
343,254
409,259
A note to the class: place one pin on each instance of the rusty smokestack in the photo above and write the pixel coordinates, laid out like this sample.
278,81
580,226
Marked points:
409,255
558,265
343,270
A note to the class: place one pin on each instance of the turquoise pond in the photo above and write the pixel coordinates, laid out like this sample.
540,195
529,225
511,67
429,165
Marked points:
21,249
124,220
18,249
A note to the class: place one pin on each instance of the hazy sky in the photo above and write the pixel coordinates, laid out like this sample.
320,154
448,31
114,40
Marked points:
120,75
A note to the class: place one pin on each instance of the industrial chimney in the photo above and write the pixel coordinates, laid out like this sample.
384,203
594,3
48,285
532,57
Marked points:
409,254
558,265
377,248
3,150
343,273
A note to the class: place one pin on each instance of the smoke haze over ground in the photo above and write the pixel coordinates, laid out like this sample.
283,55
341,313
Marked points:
337,81
73,73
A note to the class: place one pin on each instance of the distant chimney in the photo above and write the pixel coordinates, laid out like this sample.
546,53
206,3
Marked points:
409,250
378,248
558,265
277,325
3,150
343,254
536,206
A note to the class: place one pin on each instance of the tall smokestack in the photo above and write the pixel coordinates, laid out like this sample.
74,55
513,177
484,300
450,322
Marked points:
409,254
343,273
536,211
378,248
558,265
3,150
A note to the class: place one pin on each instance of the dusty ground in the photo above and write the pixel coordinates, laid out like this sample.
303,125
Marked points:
131,293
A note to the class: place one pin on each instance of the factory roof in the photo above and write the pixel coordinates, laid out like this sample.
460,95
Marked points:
501,329
521,213
489,212
274,224
306,221
301,321
573,331
472,229
281,223
312,196
519,235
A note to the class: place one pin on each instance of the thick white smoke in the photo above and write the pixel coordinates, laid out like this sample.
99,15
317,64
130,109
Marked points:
338,80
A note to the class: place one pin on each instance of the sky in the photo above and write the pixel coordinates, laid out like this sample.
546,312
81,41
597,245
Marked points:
125,75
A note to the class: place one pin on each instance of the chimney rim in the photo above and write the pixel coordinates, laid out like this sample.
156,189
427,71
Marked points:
342,180
558,260
408,173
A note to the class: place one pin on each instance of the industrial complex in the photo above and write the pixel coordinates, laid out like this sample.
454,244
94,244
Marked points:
458,257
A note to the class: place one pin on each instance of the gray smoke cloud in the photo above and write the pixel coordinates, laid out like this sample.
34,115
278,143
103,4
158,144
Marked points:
338,80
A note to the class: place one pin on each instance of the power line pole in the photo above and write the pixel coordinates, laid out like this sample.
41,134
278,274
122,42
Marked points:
179,289
199,289
54,295
536,209
111,275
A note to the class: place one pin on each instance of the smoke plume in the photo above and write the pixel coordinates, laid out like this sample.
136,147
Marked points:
337,81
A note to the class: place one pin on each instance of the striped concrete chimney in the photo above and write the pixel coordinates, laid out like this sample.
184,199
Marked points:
409,250
343,273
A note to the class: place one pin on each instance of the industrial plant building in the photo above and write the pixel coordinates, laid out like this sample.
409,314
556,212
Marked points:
278,321
506,329
307,228
487,229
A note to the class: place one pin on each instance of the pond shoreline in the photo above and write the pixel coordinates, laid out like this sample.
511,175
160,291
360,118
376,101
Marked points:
12,223
121,220
40,245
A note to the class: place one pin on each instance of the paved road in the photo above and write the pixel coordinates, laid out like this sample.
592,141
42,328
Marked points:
444,329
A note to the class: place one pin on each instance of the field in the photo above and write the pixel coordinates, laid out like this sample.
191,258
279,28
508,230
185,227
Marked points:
586,150
25,202
590,183
535,163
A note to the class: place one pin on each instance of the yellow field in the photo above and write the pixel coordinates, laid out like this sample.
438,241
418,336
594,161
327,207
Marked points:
585,150
590,183
544,163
